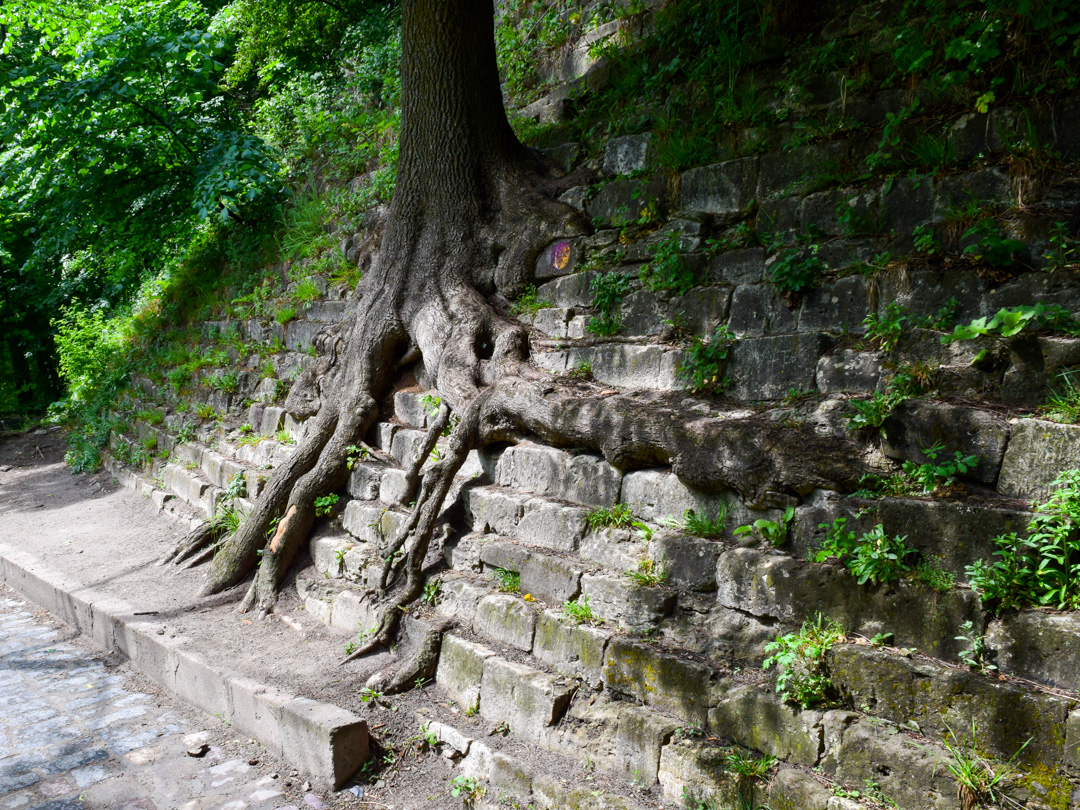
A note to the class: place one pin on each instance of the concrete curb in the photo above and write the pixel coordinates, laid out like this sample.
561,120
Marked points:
326,743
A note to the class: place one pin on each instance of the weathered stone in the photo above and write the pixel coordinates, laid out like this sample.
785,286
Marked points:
622,600
643,313
693,771
460,598
583,478
756,310
393,485
300,334
550,579
461,670
700,310
508,774
639,738
956,533
659,494
926,293
570,648
568,291
987,187
917,424
620,364
353,613
905,769
721,189
770,367
624,201
794,789
560,258
946,701
272,420
565,155
779,587
493,510
552,525
627,154
849,371
759,720
407,445
410,409
507,620
658,679
554,321
1038,451
745,266
1044,647
906,205
835,306
501,554
615,549
690,562
524,698
371,522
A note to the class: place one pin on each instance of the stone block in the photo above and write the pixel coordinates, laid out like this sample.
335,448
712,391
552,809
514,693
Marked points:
849,371
526,699
460,598
461,670
722,189
905,769
757,309
392,485
658,679
583,478
506,620
1043,647
906,205
690,561
510,775
988,186
658,494
957,533
700,310
926,292
568,291
383,436
698,772
744,266
371,522
353,613
300,335
624,201
917,424
945,701
364,480
780,219
627,154
777,587
643,313
615,549
768,368
639,738
620,599
835,306
325,741
493,510
410,409
759,720
1037,452
500,554
550,579
794,789
570,648
407,446
552,525
554,321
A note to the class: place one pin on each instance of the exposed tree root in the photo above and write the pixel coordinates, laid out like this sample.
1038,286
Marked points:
190,543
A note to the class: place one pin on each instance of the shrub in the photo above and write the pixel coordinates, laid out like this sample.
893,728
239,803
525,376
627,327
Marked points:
701,366
797,271
608,290
800,658
667,270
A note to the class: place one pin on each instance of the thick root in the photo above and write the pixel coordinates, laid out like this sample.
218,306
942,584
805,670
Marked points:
191,542
417,668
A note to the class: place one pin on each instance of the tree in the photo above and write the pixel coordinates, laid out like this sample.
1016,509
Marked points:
471,211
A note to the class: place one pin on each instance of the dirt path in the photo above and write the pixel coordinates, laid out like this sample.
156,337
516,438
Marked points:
109,538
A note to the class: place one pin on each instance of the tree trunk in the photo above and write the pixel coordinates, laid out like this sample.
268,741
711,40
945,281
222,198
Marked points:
471,211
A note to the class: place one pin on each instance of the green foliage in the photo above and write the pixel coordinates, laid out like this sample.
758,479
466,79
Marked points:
925,239
702,363
579,610
1010,321
986,243
774,532
468,788
509,580
979,781
800,659
284,314
702,525
1063,249
581,371
885,330
649,572
432,591
749,767
874,557
667,270
1042,569
529,302
324,504
356,455
608,290
909,381
930,476
975,655
931,574
796,271
617,517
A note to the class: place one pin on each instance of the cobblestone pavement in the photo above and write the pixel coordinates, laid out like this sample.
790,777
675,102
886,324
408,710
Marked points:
77,732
